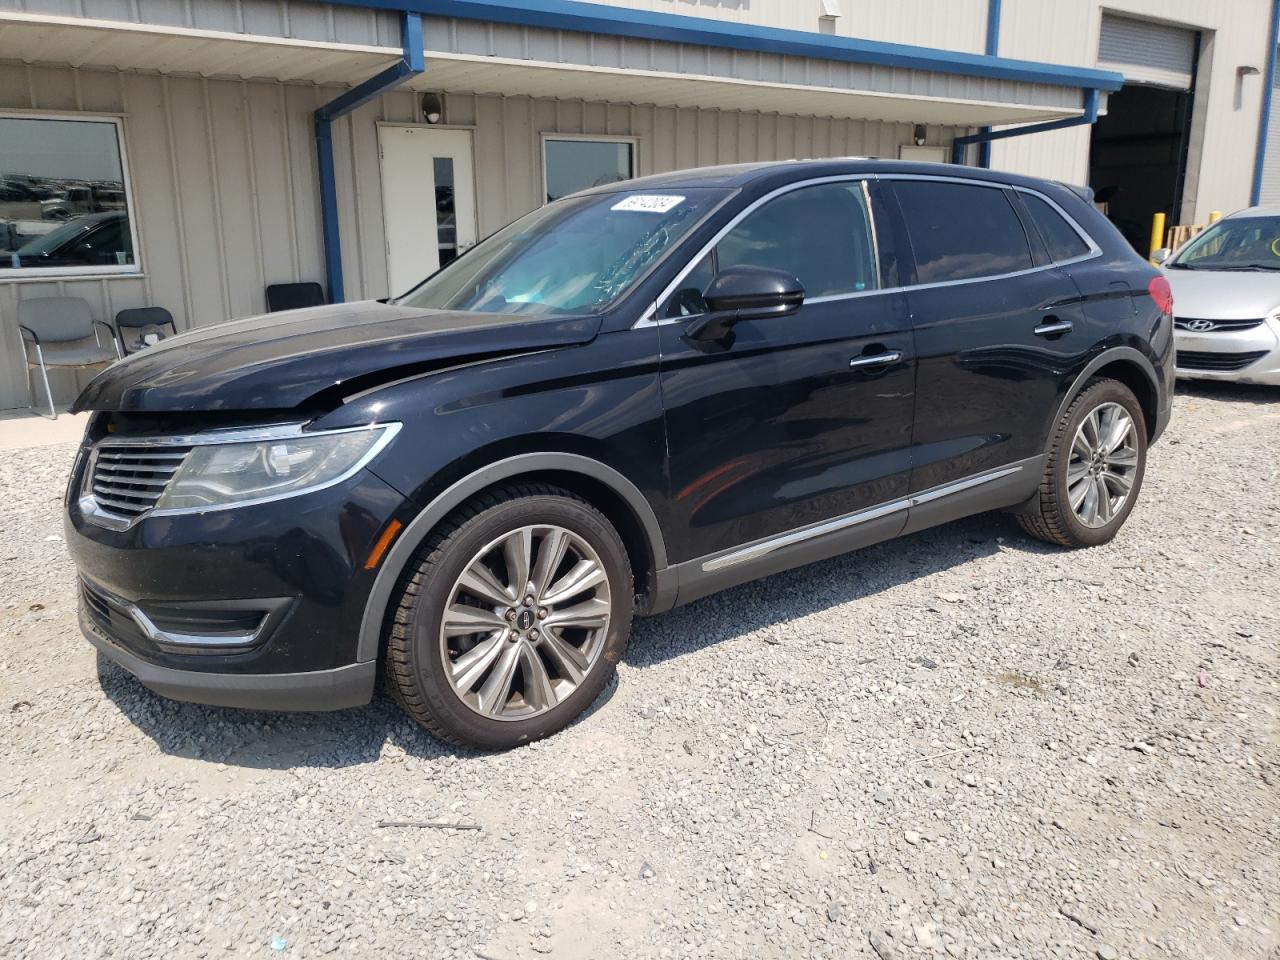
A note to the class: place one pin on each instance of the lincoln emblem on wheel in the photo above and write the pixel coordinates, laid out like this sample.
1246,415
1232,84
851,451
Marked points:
631,398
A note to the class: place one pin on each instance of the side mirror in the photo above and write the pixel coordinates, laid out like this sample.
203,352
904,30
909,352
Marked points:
745,293
1161,255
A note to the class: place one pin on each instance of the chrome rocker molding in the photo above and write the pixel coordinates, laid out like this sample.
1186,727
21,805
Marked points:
1004,487
409,541
757,550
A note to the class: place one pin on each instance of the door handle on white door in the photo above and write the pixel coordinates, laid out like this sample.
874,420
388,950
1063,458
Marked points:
875,360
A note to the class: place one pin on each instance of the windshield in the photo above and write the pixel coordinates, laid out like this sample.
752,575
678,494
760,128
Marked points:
1244,243
576,255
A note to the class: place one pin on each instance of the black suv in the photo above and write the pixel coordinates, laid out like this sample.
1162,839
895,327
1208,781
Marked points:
624,401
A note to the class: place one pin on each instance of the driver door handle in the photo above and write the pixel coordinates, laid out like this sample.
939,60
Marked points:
875,360
1053,327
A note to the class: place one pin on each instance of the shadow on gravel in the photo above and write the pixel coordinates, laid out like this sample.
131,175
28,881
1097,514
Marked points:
828,583
363,735
1228,392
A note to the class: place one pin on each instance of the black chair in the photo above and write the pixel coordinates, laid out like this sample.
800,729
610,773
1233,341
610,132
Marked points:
138,318
294,296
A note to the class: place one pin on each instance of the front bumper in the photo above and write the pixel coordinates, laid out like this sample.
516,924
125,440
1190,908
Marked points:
257,607
336,689
1254,354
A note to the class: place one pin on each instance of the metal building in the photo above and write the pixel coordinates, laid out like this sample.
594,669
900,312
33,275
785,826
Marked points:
187,154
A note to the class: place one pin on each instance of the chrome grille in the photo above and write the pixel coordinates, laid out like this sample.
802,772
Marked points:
127,478
1197,324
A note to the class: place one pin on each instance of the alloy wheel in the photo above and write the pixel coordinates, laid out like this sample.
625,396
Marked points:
1103,464
525,622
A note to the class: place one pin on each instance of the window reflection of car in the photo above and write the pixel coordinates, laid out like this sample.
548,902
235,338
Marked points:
98,239
69,203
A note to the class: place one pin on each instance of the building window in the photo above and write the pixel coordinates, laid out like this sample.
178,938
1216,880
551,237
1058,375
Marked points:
571,164
64,198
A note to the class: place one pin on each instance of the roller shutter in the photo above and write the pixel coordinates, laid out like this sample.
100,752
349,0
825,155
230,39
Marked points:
1150,53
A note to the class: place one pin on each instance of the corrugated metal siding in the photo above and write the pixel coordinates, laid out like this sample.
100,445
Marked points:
299,19
224,183
1270,192
1234,34
1146,52
948,24
476,38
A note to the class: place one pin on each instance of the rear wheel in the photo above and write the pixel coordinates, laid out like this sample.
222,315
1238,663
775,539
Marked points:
513,619
1095,468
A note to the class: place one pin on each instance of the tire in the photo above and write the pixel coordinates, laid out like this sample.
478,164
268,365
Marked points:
1060,513
465,569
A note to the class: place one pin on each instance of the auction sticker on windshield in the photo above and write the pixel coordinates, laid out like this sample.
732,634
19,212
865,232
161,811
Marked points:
649,203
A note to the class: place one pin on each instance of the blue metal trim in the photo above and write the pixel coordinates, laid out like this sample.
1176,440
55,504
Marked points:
674,28
1090,116
413,62
1264,121
992,48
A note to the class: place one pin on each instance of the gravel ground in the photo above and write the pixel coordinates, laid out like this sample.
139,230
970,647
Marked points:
963,744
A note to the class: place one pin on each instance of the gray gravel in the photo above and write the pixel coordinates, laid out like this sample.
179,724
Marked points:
961,744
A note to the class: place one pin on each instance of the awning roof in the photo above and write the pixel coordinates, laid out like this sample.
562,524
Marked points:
83,42
464,73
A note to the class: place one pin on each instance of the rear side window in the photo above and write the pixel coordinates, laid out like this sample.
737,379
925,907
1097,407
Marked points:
962,232
1062,240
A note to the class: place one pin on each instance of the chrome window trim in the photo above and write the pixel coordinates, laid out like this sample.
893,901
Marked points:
651,319
93,511
755,551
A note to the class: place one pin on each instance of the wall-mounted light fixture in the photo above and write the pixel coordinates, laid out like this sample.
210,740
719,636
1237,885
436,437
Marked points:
432,107
1247,71
919,134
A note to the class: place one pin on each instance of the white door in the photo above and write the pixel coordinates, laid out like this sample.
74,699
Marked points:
428,200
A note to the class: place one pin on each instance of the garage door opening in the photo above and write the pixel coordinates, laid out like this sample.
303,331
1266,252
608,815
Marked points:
1138,158
1139,149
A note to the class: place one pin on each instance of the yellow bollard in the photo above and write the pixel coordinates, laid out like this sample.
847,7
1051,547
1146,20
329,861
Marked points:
1215,216
1157,235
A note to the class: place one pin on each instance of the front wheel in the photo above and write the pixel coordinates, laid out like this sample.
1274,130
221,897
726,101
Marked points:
1095,468
513,619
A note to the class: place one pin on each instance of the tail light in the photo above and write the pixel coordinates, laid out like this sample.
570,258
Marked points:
1162,294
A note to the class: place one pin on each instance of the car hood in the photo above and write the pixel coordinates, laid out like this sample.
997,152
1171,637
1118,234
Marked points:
281,360
1224,295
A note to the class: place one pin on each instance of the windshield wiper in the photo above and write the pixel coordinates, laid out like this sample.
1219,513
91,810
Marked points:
1241,267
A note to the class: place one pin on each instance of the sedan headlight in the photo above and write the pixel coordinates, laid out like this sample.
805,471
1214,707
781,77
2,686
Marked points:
233,473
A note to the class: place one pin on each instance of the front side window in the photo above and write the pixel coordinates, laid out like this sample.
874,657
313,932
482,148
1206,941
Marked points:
572,257
572,165
1245,243
821,235
962,232
63,198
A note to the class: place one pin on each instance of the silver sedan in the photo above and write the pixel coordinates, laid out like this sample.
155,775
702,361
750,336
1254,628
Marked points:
1226,299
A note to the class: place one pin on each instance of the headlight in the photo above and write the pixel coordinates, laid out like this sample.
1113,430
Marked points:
225,474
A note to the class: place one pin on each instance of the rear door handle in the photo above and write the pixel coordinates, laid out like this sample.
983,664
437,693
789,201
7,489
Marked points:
875,360
1053,327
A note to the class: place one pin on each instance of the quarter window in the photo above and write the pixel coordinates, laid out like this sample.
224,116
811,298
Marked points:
1061,239
821,235
64,206
962,232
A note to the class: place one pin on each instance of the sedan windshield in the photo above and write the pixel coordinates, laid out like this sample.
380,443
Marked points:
576,255
1244,243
